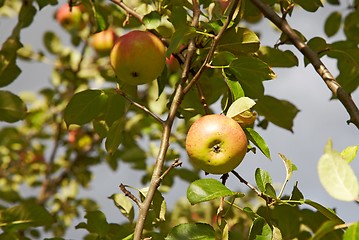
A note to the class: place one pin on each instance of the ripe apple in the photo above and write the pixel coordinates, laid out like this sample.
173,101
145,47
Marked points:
223,4
70,20
172,64
138,57
216,144
103,41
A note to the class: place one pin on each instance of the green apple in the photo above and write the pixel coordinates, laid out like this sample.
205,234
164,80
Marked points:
216,144
138,57
103,41
70,19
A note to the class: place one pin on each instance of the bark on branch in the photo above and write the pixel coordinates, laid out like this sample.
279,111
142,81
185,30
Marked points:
314,59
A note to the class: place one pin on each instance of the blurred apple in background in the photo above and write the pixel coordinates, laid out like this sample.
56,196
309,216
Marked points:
103,41
70,19
172,64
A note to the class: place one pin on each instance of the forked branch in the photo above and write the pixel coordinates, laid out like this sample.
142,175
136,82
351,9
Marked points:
314,59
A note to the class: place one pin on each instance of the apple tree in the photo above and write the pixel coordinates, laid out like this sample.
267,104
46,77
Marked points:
127,87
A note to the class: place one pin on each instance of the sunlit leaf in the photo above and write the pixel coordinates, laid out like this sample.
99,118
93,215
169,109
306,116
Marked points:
258,141
289,166
262,178
207,189
239,106
337,177
239,40
124,204
192,231
310,6
352,233
12,108
349,153
152,20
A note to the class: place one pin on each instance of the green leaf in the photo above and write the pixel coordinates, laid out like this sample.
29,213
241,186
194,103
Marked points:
115,136
275,57
289,166
329,213
203,190
351,26
287,219
26,214
337,177
260,230
124,204
52,42
26,15
250,72
192,231
318,45
238,40
258,141
310,6
12,108
234,87
349,153
270,191
85,106
352,233
323,230
96,223
262,178
178,17
116,108
332,23
9,71
152,20
279,112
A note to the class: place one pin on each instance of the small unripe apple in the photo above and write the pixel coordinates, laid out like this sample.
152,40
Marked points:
216,144
138,57
172,64
103,41
70,19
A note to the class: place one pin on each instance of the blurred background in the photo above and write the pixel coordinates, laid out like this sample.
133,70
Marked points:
319,119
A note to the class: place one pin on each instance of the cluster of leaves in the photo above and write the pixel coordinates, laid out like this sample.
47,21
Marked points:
68,126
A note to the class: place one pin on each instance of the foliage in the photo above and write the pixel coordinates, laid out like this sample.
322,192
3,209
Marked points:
50,140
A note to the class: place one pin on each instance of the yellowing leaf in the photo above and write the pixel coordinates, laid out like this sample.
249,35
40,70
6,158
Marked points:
240,111
349,153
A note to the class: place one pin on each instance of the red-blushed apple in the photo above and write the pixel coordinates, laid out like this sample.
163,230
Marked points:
172,64
223,4
103,41
216,144
138,57
70,19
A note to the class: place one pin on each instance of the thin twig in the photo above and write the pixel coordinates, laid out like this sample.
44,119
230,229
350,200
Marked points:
130,195
130,11
266,198
212,49
318,65
143,108
175,164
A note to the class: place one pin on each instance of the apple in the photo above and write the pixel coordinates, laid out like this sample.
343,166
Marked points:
103,41
216,144
172,64
138,57
70,19
223,4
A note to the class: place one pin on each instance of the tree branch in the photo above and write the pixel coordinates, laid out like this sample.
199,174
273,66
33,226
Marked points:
321,69
157,172
130,11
